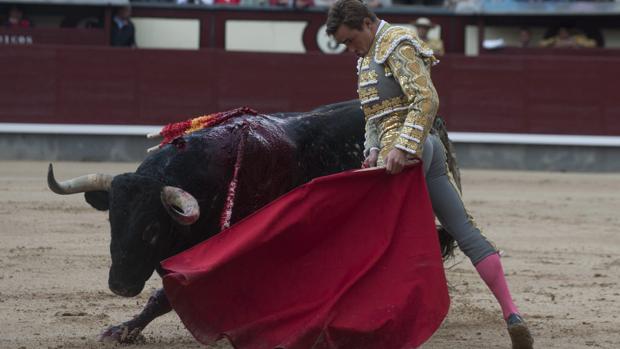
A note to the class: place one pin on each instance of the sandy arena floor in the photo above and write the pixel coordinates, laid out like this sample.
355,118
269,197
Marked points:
560,234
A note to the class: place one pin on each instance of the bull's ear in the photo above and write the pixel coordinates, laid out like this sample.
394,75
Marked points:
98,199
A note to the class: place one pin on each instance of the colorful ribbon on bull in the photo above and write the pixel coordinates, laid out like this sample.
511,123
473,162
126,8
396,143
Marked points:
175,130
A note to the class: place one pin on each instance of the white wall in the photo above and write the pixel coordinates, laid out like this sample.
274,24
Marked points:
471,40
612,38
169,33
265,36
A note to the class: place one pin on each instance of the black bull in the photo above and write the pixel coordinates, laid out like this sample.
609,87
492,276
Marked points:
178,196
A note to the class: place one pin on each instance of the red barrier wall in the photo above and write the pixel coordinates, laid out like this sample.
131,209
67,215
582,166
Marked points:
127,86
522,94
530,94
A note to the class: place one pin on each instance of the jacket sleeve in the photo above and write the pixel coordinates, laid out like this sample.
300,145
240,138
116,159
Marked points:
371,137
413,75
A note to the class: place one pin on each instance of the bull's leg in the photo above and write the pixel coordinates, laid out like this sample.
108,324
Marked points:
130,331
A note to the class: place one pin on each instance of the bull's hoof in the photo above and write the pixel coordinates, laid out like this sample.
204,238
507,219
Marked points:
121,334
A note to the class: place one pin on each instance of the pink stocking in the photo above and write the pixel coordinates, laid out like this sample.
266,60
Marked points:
491,271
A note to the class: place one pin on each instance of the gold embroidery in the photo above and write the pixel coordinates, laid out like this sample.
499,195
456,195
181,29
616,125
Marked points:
413,75
365,64
393,36
390,126
406,59
368,92
387,39
408,52
390,131
384,106
368,75
388,71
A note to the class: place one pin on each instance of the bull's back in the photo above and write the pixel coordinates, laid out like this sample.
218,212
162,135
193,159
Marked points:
264,155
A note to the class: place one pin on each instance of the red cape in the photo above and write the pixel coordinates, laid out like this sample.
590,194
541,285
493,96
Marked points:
347,261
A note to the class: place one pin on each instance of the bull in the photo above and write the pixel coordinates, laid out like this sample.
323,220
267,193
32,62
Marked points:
192,188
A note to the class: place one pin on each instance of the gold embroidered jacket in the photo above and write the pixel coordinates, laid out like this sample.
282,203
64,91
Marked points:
396,92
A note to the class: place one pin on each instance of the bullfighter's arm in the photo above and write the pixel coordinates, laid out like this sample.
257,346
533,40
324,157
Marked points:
371,137
413,74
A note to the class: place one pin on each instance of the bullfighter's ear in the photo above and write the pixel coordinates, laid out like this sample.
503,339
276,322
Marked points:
98,199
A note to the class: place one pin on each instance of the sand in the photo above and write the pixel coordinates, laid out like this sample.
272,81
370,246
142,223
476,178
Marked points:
560,234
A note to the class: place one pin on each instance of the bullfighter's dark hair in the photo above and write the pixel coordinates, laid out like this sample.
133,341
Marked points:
348,12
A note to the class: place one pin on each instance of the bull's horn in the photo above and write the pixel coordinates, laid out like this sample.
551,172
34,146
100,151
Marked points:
91,182
181,205
153,135
152,149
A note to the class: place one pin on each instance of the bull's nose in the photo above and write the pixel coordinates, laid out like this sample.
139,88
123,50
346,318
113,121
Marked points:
125,290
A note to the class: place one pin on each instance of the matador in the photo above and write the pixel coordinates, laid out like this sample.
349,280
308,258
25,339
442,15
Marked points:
400,104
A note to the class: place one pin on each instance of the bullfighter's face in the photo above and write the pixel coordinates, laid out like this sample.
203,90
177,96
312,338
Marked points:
357,41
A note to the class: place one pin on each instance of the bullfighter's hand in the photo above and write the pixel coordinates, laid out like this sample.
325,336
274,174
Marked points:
397,160
371,159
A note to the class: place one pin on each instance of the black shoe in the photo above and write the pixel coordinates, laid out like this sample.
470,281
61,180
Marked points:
519,333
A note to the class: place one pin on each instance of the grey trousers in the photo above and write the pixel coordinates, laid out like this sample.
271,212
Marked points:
448,205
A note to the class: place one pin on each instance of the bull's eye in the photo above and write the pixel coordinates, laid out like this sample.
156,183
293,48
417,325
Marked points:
153,240
150,233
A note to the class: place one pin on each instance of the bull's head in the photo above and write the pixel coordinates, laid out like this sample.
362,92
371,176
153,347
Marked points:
147,220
